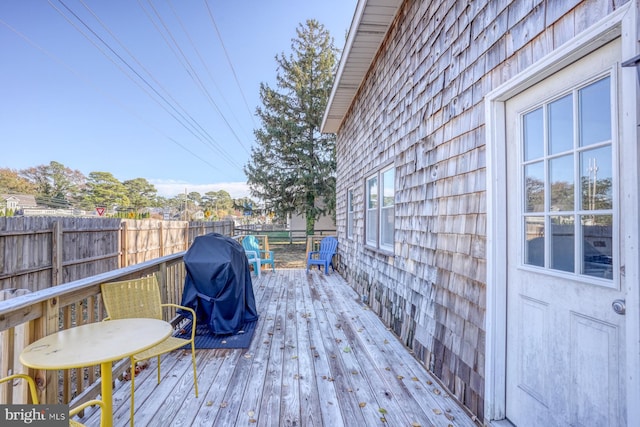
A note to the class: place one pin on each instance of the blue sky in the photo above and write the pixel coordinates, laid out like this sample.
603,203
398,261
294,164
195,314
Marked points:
172,112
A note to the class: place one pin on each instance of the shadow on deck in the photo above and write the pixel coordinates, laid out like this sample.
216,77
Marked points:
319,357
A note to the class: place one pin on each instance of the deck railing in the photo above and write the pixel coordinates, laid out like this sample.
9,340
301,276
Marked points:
27,317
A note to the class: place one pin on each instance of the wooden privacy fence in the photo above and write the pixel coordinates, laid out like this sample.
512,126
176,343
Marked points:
40,252
29,316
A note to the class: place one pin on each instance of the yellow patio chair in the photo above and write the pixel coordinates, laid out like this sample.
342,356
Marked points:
34,398
75,411
141,298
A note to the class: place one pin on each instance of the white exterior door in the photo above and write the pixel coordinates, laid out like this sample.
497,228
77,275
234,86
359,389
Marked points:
565,342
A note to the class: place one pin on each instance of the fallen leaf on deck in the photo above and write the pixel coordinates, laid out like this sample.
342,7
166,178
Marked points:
382,410
437,411
222,405
347,349
436,391
362,404
415,424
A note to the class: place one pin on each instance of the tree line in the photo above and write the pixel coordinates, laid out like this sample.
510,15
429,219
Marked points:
60,187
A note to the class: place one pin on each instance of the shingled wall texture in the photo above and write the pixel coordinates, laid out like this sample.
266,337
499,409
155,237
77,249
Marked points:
421,109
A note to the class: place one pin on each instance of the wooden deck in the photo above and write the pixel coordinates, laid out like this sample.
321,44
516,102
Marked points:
318,357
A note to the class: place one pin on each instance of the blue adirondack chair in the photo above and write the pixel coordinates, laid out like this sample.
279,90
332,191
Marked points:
250,244
324,256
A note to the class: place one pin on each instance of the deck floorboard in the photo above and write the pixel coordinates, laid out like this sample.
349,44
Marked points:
318,357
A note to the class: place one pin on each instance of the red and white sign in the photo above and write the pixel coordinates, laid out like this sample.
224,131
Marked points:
100,211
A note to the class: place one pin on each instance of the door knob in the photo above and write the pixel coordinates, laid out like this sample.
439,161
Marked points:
619,306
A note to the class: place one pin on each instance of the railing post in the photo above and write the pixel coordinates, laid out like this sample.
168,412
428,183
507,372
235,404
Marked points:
46,381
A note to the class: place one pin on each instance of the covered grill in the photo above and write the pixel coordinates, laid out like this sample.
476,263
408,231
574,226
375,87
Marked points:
218,284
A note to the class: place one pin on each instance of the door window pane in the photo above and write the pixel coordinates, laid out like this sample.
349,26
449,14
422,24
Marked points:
561,125
596,179
597,253
561,181
533,135
595,112
562,247
534,247
534,187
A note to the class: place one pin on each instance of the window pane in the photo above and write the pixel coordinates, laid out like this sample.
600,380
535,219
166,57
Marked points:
372,226
350,213
597,252
596,179
534,235
561,125
386,227
372,211
372,193
533,135
562,243
534,187
562,188
595,112
388,187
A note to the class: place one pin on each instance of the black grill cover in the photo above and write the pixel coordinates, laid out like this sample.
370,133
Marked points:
218,284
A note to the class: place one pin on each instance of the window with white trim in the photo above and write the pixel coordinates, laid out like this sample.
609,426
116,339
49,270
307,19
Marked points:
380,209
350,211
568,182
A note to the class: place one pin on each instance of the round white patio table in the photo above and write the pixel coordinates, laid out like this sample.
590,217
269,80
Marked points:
96,343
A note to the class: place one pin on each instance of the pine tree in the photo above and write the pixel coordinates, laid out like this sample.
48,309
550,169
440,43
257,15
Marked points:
293,166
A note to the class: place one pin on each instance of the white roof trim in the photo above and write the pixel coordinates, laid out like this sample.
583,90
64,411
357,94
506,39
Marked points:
369,26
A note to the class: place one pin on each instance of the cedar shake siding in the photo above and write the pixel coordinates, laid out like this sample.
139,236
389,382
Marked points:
420,109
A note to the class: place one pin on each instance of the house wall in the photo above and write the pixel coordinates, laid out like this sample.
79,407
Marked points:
421,107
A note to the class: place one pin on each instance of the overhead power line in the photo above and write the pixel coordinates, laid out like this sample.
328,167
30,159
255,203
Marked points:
191,71
99,90
168,106
233,70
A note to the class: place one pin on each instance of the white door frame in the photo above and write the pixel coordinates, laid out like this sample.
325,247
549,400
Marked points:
621,23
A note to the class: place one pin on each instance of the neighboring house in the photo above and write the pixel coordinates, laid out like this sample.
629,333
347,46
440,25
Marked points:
16,202
324,225
487,198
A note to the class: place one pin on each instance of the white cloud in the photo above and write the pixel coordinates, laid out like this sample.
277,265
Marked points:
168,188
